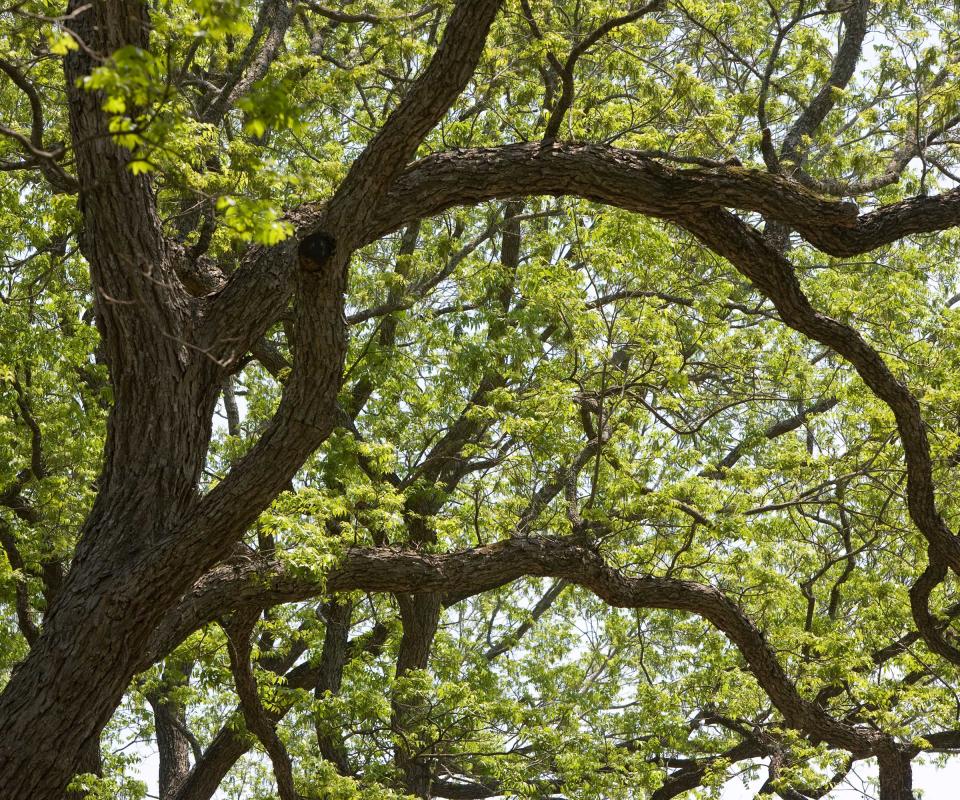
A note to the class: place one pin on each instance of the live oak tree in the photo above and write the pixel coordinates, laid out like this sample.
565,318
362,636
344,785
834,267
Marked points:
472,399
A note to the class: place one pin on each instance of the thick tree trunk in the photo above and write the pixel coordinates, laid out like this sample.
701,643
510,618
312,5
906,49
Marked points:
61,696
119,585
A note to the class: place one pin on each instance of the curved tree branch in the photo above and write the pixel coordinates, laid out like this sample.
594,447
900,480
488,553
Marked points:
632,181
255,583
258,722
842,70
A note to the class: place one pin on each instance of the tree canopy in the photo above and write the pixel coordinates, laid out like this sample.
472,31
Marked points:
478,399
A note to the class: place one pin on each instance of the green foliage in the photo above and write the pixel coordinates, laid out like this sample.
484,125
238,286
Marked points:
608,320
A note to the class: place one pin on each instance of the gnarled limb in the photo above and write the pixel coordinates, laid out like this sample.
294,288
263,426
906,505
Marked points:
468,572
629,180
773,275
934,634
238,631
842,70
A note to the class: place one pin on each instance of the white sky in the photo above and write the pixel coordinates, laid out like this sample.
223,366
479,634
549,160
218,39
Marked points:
929,782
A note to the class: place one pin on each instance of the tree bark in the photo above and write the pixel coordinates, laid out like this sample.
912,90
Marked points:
149,535
896,774
61,696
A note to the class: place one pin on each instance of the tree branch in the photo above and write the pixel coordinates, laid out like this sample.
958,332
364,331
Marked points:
424,105
626,179
270,28
258,722
255,583
37,154
773,275
842,70
565,71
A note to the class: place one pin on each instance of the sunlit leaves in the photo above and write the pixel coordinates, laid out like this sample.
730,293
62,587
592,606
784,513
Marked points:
610,340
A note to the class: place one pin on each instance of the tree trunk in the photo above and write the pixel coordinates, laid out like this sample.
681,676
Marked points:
896,774
119,585
111,600
420,614
170,724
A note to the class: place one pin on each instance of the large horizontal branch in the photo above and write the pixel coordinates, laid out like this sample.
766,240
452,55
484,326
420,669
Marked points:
249,582
627,179
694,198
630,180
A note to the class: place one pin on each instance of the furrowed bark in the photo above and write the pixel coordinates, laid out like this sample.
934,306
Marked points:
896,774
58,700
149,536
636,182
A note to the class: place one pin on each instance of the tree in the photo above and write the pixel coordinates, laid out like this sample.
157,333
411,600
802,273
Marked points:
624,460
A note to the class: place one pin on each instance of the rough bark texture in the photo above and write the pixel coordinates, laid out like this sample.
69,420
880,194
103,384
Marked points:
149,536
66,690
156,560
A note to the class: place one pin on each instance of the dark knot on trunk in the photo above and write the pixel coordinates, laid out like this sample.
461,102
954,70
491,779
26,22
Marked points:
316,251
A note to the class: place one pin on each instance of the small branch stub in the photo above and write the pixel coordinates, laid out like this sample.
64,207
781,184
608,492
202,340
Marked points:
315,251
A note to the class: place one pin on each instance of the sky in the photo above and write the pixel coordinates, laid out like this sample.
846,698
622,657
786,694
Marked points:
929,782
